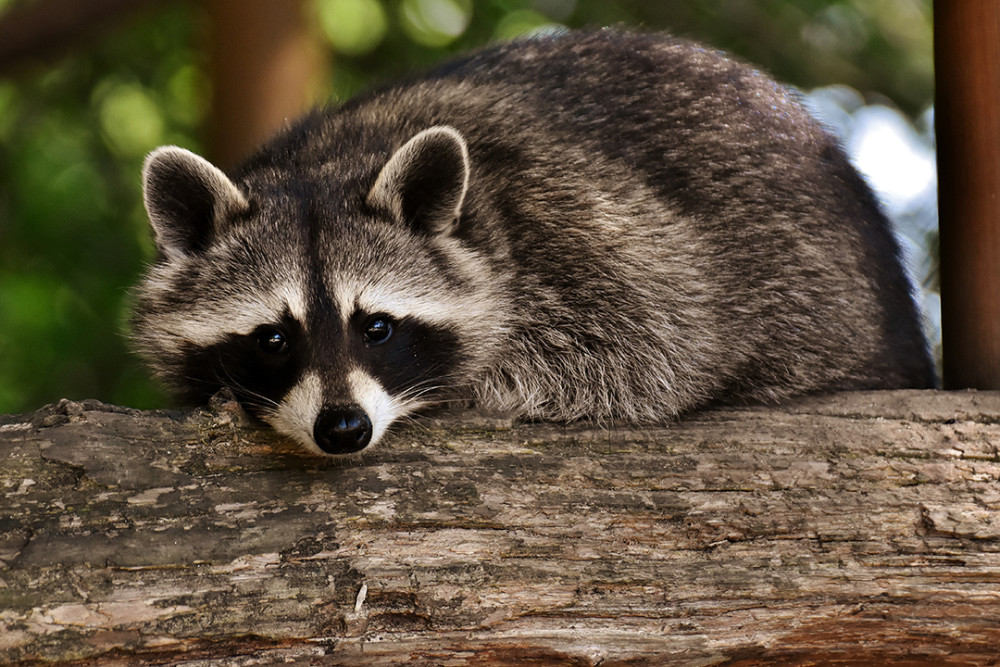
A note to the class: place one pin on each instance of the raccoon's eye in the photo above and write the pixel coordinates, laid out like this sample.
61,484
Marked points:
378,329
272,341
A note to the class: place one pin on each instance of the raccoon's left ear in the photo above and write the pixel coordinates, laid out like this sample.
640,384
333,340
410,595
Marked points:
424,183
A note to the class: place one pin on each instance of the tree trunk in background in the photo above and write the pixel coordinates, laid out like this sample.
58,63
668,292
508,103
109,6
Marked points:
967,116
267,66
845,530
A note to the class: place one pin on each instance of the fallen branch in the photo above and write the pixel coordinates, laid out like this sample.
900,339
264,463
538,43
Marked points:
836,529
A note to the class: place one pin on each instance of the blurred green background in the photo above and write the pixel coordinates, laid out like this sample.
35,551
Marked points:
74,131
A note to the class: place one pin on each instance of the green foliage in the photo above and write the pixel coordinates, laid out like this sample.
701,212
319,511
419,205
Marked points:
875,46
73,236
353,27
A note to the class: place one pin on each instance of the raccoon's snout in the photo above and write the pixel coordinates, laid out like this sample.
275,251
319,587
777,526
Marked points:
342,429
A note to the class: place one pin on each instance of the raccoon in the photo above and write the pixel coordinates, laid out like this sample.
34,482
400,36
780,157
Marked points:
601,225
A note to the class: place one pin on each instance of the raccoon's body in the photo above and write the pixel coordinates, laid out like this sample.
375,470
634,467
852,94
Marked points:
595,225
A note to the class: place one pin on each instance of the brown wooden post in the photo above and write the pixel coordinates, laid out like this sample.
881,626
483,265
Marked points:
967,113
267,65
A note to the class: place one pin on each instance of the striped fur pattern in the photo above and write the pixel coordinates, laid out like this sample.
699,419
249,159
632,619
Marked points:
596,225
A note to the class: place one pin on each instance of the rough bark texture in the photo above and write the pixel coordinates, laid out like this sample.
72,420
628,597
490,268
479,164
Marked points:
850,529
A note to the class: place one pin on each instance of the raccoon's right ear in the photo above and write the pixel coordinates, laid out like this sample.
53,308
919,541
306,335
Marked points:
424,182
186,197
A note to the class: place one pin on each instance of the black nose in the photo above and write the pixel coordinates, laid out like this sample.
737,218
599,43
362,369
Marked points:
342,430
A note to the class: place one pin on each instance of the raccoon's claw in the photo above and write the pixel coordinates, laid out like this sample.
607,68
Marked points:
342,430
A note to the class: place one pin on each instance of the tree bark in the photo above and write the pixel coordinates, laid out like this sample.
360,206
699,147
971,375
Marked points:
851,529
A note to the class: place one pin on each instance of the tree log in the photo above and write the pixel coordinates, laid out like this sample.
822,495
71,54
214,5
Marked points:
844,529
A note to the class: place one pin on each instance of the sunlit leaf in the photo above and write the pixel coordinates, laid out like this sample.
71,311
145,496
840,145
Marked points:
353,27
435,22
521,23
131,120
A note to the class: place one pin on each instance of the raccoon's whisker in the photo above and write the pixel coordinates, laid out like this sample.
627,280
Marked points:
675,246
226,378
197,380
418,392
430,383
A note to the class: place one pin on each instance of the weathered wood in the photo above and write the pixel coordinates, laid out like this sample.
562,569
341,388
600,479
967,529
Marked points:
837,530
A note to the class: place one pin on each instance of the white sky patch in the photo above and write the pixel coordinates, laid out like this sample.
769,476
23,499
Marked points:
887,150
896,160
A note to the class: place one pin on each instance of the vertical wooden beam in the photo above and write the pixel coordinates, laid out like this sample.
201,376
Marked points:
967,116
266,65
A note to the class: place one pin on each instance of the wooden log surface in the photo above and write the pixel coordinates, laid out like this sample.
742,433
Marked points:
851,529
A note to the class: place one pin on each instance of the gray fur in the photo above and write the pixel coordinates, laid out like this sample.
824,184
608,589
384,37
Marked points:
604,226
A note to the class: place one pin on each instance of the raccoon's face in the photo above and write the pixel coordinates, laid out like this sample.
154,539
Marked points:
328,320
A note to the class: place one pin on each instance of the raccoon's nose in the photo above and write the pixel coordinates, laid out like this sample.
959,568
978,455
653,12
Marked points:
342,429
